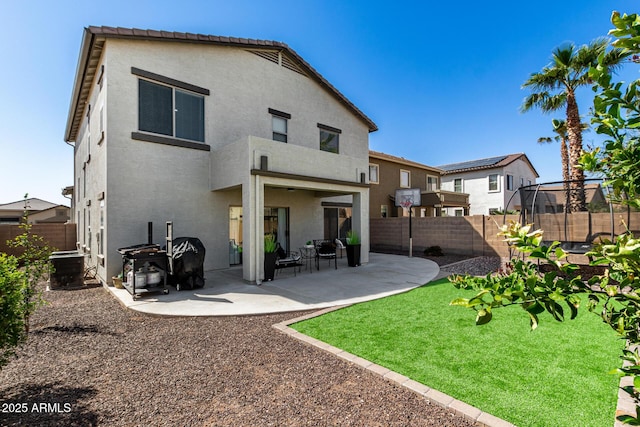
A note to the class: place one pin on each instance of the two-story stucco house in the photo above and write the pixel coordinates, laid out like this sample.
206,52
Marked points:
490,182
230,139
389,173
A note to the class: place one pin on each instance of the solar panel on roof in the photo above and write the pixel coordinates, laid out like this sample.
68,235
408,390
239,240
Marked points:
473,163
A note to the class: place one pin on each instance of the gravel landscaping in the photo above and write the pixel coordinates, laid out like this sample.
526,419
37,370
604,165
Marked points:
106,365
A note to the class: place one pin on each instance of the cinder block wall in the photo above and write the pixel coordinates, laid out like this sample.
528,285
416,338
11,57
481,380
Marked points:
471,235
477,235
60,237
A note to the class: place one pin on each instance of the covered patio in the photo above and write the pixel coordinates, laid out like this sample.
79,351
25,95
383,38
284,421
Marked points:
227,294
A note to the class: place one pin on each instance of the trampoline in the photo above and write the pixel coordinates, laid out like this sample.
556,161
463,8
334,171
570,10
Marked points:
545,205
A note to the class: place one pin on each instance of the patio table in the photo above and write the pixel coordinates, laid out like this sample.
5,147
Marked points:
308,255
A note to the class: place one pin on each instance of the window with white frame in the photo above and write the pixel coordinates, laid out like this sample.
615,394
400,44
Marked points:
279,125
457,185
101,232
521,181
433,183
170,107
510,182
405,178
493,182
373,173
89,230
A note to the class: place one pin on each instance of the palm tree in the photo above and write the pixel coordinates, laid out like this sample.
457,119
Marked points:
555,87
560,128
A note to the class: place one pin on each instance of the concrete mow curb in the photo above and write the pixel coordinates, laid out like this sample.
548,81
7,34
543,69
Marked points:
456,406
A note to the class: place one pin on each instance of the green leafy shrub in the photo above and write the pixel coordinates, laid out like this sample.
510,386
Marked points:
13,307
19,292
353,238
269,243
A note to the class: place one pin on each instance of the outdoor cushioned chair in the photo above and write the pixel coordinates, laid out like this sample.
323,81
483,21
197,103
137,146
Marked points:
325,249
285,260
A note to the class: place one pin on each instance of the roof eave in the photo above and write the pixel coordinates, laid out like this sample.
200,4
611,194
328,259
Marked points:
388,157
81,68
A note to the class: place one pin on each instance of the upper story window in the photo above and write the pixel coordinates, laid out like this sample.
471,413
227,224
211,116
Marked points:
373,174
405,178
170,107
432,183
493,182
457,185
329,138
279,125
510,182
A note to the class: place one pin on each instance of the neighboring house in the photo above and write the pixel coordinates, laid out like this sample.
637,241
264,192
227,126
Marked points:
40,211
490,182
230,139
388,173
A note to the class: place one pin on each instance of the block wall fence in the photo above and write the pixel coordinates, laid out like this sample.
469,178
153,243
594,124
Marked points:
477,235
471,235
60,237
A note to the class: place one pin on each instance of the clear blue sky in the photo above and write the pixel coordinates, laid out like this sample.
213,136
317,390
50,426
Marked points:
440,79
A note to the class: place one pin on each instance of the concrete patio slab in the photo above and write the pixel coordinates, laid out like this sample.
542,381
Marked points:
227,294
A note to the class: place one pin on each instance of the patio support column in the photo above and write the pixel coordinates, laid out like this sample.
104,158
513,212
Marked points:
259,228
360,221
253,229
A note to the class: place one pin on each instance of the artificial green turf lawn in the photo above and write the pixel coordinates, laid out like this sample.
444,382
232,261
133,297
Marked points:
557,375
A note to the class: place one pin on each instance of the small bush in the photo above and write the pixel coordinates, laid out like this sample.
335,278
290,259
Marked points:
433,251
19,293
13,307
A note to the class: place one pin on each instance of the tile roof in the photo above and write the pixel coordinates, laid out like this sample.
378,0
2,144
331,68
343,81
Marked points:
33,204
402,160
486,163
92,48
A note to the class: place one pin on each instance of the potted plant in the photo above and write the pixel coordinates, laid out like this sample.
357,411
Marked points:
117,281
270,256
309,244
353,249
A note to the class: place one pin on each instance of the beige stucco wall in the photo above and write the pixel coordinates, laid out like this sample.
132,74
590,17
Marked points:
144,181
90,157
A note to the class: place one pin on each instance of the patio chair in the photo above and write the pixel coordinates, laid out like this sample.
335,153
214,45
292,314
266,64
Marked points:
325,249
340,247
287,259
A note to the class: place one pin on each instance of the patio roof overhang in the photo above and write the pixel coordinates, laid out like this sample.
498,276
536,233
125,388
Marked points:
308,179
